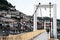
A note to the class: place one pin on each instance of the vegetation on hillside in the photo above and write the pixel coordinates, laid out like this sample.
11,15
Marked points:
4,5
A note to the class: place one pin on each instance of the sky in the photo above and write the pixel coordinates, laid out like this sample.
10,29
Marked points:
27,6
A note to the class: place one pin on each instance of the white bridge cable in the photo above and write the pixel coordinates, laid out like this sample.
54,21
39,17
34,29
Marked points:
36,9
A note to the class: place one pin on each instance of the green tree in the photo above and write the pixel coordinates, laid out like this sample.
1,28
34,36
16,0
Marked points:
4,5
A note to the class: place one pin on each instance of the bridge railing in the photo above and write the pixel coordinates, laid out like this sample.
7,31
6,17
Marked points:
23,36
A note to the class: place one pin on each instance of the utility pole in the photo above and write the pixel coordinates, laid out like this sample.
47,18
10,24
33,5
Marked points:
50,21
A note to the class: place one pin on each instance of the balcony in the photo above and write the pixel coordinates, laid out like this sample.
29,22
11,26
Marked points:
14,13
9,16
3,12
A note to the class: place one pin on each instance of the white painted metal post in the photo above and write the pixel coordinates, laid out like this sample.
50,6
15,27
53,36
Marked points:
45,25
54,22
35,20
51,29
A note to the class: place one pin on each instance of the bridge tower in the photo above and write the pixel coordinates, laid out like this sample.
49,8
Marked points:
54,17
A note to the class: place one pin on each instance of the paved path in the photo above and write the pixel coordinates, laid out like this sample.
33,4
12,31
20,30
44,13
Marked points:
43,36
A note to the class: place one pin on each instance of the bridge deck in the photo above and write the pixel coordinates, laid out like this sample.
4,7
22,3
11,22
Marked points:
30,35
